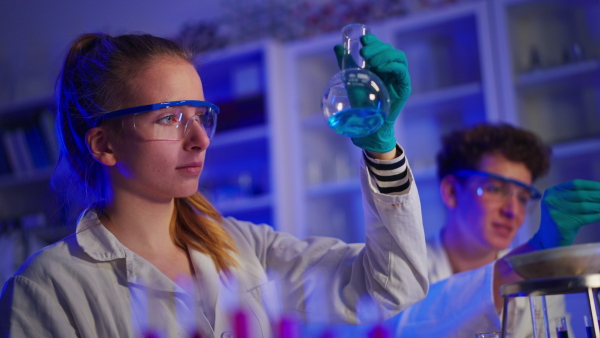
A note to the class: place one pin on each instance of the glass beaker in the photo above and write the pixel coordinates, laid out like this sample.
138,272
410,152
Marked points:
355,101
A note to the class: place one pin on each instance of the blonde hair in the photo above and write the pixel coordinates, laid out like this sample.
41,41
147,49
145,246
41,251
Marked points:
202,232
95,79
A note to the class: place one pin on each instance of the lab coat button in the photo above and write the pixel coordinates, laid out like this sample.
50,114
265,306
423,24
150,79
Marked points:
227,334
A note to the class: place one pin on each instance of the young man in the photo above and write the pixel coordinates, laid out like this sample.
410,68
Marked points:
485,176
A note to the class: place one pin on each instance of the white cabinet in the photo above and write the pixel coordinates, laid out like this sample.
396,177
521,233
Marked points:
246,171
548,67
449,56
245,164
534,64
325,165
550,62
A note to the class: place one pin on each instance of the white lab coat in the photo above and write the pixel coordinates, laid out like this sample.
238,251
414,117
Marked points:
461,305
90,285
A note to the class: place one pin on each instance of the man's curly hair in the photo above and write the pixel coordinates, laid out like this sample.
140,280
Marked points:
464,149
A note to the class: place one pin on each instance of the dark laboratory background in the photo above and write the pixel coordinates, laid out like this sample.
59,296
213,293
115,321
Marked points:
274,160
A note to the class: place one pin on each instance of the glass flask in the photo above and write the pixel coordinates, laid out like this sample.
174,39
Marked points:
355,101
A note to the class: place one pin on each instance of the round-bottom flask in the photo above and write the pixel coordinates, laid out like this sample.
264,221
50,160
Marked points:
355,101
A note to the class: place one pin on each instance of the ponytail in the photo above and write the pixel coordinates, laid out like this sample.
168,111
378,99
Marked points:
202,232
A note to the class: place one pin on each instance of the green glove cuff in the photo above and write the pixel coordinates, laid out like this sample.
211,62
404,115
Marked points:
381,141
552,238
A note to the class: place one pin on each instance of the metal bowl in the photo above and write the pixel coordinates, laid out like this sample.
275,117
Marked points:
565,261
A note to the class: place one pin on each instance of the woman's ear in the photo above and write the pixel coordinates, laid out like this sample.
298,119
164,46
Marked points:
448,191
96,140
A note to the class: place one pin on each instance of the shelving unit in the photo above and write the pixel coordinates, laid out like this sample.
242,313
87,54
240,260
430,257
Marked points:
548,87
23,189
451,71
27,130
239,177
468,64
548,66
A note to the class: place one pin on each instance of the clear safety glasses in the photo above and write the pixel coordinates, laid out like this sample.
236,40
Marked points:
170,121
500,188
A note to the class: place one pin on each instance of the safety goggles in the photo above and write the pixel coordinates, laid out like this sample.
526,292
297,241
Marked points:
497,187
170,121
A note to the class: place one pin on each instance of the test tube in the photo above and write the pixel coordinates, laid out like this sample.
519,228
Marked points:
379,331
589,326
241,324
561,328
539,316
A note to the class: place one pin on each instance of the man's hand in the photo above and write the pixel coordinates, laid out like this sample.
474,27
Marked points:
565,209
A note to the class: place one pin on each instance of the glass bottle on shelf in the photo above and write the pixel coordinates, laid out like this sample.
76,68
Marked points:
355,101
589,326
561,327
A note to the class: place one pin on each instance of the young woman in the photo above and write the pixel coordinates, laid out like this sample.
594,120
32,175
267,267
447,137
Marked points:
150,254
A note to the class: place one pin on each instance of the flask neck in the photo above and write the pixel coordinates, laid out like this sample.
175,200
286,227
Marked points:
352,49
351,35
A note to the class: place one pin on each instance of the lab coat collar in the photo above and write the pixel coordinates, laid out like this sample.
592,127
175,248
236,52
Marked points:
96,240
101,245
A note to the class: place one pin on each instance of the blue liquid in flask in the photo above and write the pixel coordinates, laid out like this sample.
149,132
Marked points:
357,122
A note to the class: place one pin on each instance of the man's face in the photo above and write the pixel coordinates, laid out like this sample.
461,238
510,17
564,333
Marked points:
488,218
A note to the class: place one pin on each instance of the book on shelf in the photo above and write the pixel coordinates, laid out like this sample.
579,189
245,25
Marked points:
23,152
37,149
28,148
5,167
11,152
46,123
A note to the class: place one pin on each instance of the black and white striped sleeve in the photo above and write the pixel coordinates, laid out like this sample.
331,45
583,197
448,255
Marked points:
391,176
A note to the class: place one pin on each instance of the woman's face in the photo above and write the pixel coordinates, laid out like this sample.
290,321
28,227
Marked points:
161,169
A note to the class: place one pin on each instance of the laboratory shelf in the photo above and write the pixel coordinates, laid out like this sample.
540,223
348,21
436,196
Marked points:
351,185
332,188
33,177
245,204
240,136
579,147
316,120
32,196
234,52
569,74
426,172
444,95
246,162
34,104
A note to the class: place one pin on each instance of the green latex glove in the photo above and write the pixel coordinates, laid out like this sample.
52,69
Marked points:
565,209
392,67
